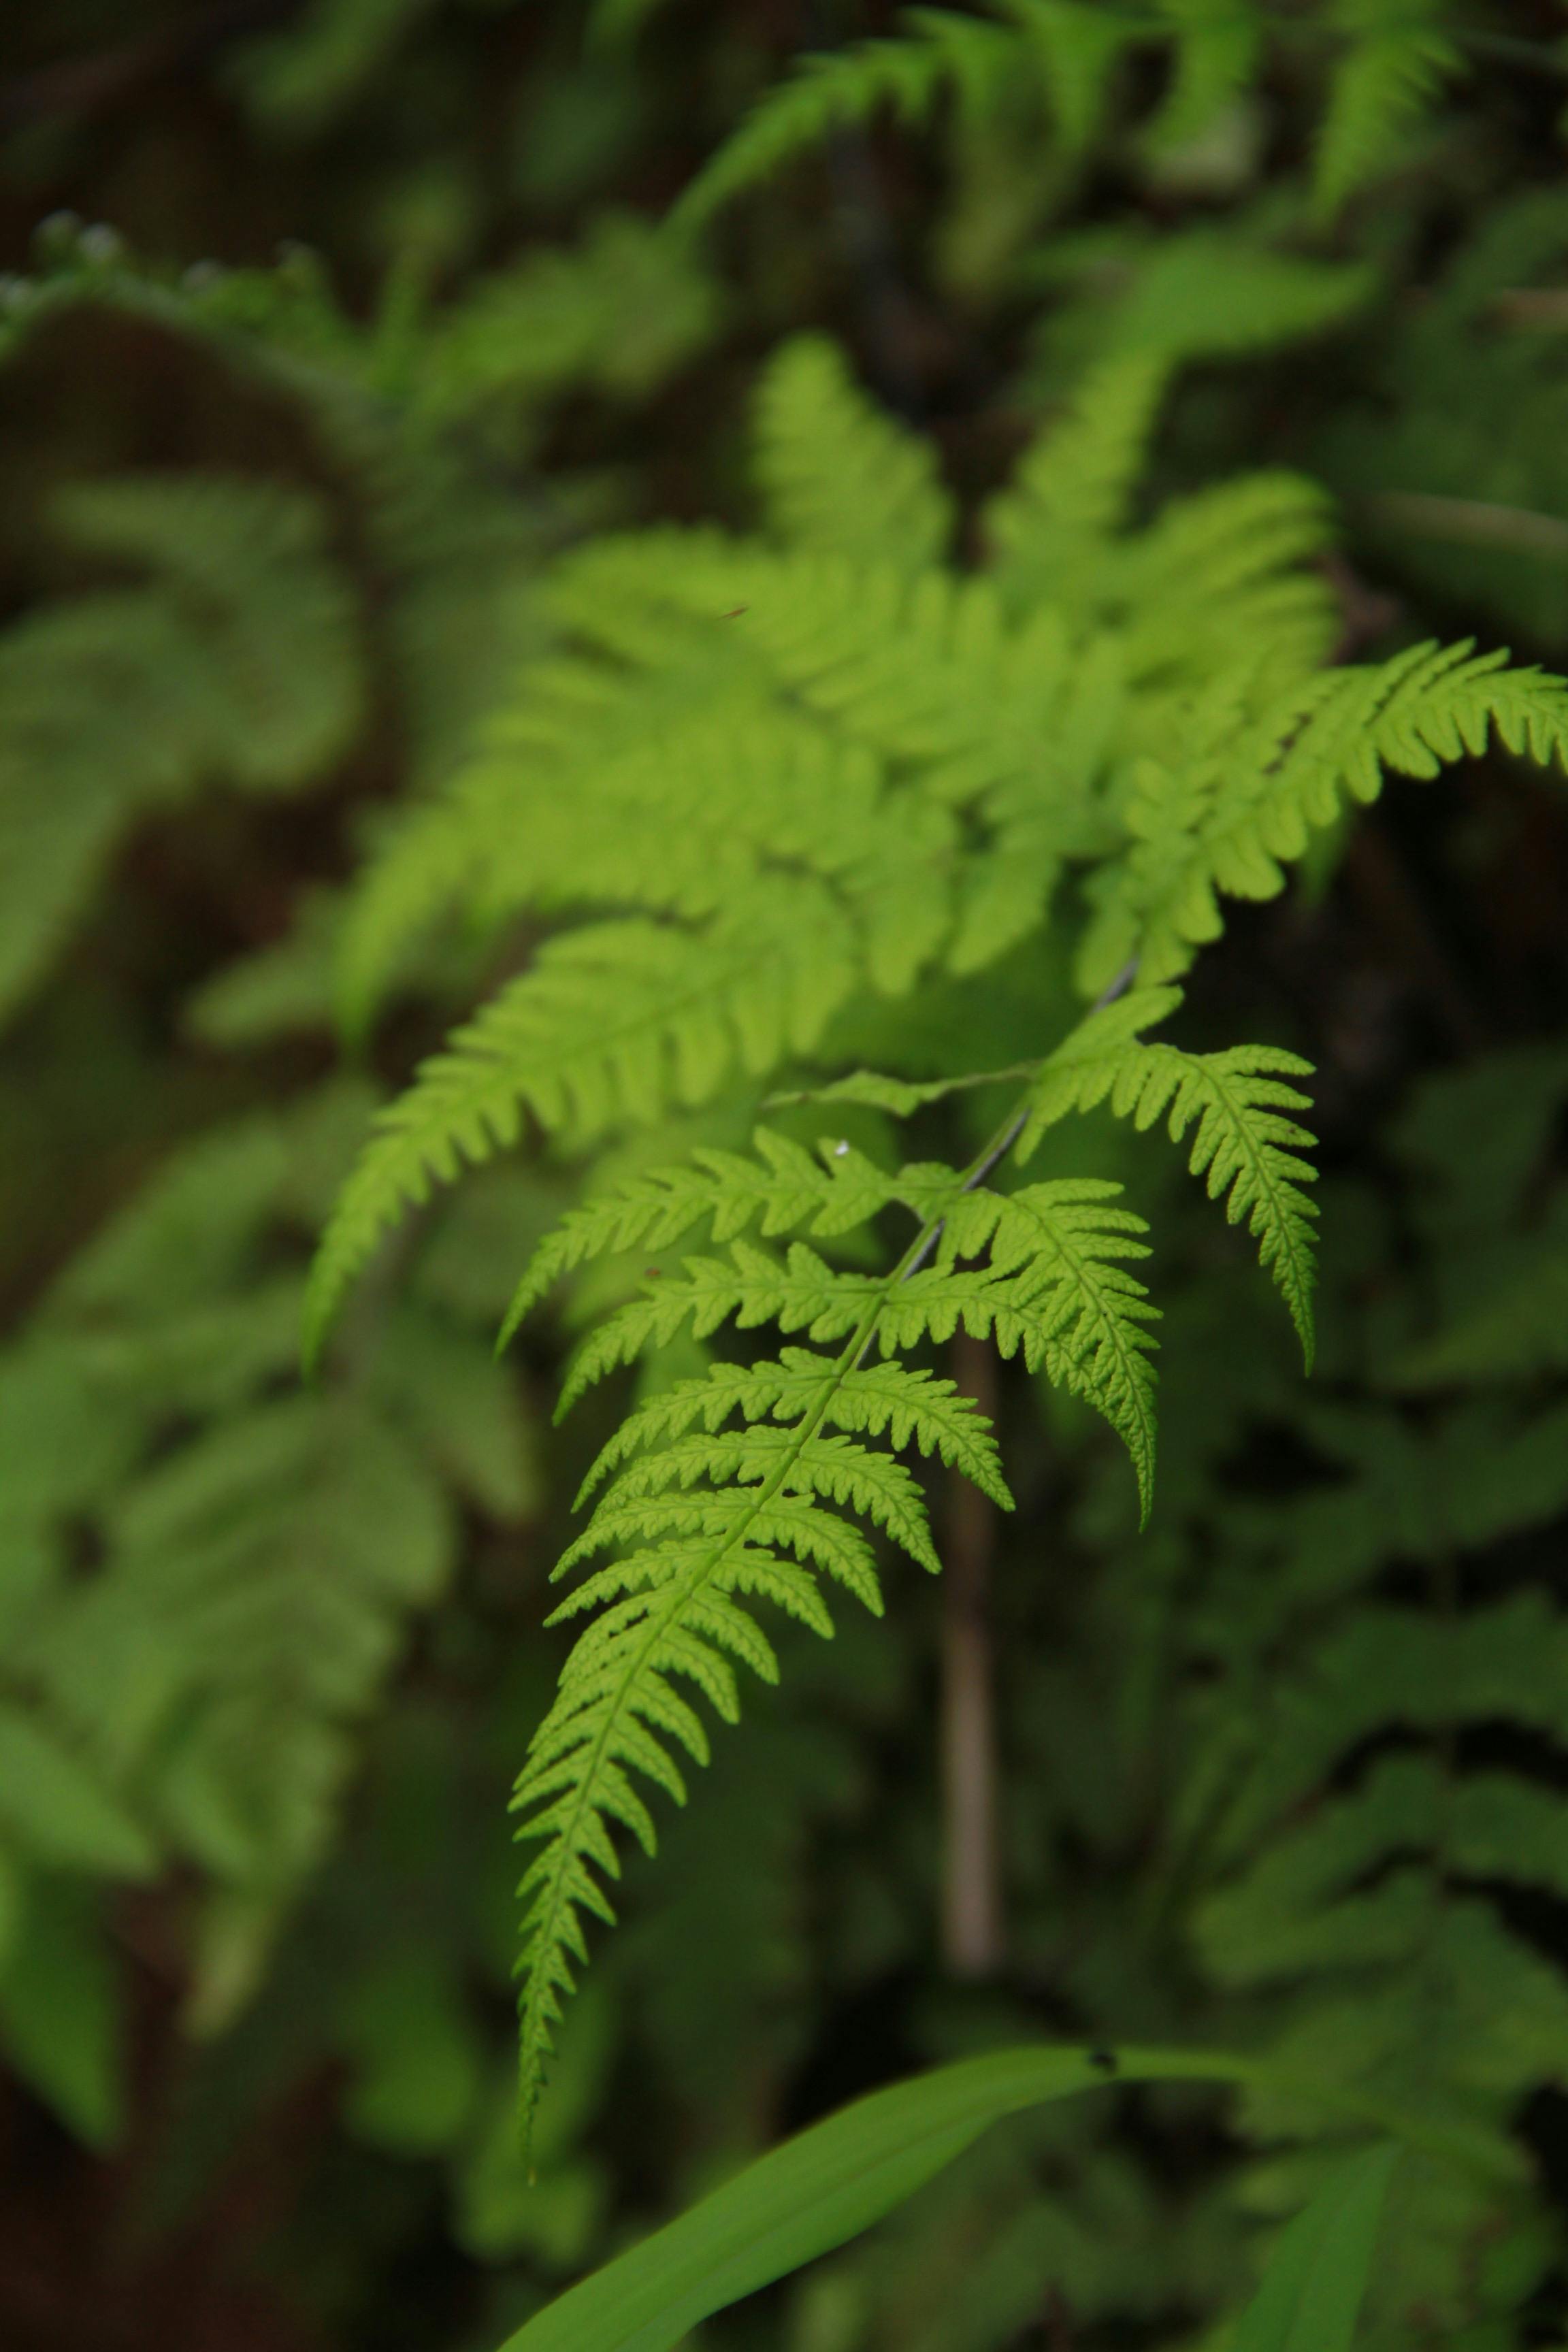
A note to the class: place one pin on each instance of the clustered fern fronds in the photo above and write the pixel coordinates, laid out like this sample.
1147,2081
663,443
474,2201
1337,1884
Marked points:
236,660
790,777
259,1550
764,780
1372,1871
794,774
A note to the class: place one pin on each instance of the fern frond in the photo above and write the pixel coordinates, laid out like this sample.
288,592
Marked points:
1073,488
781,1186
235,662
704,1514
1227,565
1091,1336
612,1018
1397,59
1244,1145
1082,1071
1230,819
827,92
912,1407
621,312
840,476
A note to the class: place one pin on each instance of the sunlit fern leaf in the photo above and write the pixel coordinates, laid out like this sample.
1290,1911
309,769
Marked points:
781,1187
1245,1146
1244,1143
1074,486
1065,1243
1243,803
737,718
705,1511
1229,564
612,1020
839,474
1398,57
877,1398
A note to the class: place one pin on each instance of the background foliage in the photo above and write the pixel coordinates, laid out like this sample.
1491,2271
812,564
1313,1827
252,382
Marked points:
337,337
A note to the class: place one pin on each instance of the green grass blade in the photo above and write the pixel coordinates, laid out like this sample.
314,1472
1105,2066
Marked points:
822,2188
1312,2291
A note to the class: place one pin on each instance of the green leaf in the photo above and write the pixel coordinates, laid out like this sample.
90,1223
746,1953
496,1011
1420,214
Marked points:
824,2187
1312,2291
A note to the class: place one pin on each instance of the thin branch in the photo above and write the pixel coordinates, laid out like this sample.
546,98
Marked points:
971,1905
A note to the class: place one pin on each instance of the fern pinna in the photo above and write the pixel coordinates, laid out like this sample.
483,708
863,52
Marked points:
764,784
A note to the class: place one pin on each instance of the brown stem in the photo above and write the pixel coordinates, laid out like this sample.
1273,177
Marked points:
972,1879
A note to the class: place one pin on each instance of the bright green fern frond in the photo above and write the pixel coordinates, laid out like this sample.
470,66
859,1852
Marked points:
1227,566
1245,1144
733,1488
783,1187
839,475
1231,817
886,1397
1089,1314
613,1021
1082,1071
1072,491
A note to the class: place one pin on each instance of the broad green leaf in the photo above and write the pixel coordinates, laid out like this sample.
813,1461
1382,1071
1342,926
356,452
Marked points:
824,2187
1312,2291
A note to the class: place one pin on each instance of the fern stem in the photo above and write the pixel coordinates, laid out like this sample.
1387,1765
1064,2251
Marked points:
971,1931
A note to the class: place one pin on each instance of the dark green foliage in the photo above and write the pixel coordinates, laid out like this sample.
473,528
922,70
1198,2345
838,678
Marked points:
812,592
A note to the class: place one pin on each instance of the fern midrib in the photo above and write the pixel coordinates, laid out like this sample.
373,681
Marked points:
547,1937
